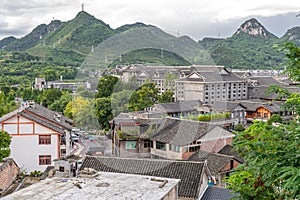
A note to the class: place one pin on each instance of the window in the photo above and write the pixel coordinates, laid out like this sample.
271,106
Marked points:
148,143
63,152
265,115
258,114
130,145
161,146
174,148
44,139
61,169
250,113
194,148
45,160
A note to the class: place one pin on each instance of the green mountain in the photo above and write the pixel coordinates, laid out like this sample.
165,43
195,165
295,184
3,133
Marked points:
151,56
6,41
292,35
71,43
250,47
34,37
78,34
132,26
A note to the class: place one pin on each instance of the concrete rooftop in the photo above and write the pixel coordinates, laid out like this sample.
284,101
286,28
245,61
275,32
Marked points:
110,186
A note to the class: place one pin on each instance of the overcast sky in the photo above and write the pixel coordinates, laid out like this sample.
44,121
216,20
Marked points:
196,18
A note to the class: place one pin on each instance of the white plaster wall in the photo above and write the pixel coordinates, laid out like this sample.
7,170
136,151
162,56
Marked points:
42,129
10,128
166,153
26,128
25,150
22,119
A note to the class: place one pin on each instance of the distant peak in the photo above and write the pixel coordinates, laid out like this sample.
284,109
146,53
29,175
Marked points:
83,14
253,27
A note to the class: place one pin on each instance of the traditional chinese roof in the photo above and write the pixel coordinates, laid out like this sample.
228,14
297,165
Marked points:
43,116
175,107
228,150
181,132
217,193
215,162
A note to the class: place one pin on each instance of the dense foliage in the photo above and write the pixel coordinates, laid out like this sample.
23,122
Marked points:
271,150
4,145
245,51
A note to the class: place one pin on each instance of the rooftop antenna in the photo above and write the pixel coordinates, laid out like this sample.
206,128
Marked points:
82,6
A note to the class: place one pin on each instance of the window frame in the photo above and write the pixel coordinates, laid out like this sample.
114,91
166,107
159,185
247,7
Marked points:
44,159
44,139
161,146
128,145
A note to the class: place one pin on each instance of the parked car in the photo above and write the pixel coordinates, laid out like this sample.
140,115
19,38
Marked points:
74,137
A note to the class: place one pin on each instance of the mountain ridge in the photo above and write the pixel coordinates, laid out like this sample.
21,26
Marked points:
251,46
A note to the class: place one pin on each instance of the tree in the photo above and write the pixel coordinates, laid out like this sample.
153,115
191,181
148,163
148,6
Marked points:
293,65
104,111
239,127
4,145
166,97
49,96
120,101
82,111
145,96
60,104
272,159
271,151
106,86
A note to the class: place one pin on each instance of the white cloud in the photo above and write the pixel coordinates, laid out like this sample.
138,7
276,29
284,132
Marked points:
192,17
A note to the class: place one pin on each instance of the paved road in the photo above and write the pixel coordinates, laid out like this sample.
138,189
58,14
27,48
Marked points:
94,144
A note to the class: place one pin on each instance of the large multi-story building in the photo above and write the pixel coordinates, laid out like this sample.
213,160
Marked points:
38,136
210,84
205,83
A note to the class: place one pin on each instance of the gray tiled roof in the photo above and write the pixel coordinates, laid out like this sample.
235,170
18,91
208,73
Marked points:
215,161
50,115
228,150
43,122
225,105
190,173
261,92
213,76
266,81
182,106
273,106
42,116
180,132
217,193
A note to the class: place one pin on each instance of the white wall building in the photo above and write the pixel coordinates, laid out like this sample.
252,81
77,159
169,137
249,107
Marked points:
38,136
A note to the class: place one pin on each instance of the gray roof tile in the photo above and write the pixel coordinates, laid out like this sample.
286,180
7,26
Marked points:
217,193
181,132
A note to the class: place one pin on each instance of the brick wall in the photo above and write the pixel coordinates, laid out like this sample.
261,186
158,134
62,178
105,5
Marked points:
8,172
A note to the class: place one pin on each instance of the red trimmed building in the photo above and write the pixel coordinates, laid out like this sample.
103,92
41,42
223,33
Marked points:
38,136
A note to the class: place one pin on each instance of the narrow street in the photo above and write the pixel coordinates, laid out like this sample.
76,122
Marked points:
93,145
